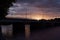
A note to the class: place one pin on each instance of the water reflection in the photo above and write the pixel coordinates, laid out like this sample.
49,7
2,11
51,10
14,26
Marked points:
7,30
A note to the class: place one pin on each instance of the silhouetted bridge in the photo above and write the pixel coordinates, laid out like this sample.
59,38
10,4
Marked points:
8,22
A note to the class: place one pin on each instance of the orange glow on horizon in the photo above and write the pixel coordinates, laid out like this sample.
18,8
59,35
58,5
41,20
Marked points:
32,16
36,17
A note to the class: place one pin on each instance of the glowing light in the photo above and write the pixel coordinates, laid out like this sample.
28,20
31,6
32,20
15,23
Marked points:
36,17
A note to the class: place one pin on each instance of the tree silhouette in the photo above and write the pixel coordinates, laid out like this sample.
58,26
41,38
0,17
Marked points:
4,5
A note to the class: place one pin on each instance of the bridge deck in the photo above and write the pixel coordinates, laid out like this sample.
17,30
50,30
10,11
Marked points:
16,20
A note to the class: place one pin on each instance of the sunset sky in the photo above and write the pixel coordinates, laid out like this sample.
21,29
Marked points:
35,9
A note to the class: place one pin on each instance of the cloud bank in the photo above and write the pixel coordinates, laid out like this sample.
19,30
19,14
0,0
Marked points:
49,8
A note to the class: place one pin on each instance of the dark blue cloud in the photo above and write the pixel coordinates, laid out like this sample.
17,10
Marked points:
45,5
42,3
